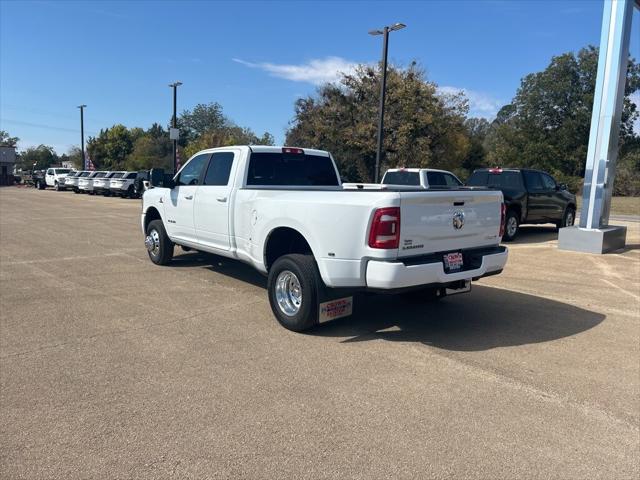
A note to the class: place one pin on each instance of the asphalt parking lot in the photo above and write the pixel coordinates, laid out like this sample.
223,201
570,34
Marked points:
112,367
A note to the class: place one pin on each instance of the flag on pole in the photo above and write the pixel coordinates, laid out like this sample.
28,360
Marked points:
88,163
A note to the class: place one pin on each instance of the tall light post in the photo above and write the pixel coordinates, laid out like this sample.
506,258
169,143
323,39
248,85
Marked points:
84,161
174,135
383,84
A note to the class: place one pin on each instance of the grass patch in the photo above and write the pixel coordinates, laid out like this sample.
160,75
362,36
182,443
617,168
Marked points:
621,205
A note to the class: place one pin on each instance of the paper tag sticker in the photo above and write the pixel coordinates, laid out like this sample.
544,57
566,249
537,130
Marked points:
342,307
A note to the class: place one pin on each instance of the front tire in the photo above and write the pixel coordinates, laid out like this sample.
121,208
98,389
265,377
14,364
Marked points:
293,291
159,247
56,185
511,226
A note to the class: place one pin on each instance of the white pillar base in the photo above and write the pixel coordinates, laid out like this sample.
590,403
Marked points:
600,240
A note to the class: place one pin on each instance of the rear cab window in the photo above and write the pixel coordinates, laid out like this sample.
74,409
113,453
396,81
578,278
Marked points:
291,169
500,179
401,178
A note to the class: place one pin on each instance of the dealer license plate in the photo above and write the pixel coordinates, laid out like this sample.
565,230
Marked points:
333,309
453,261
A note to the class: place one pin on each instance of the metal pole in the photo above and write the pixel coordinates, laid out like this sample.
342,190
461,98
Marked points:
175,125
84,160
383,85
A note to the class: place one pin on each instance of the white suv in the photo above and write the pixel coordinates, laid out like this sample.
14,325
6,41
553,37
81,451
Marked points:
124,185
102,184
85,184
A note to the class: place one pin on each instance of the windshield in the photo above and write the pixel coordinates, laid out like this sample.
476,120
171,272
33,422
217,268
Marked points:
401,178
292,169
99,174
117,175
85,174
62,170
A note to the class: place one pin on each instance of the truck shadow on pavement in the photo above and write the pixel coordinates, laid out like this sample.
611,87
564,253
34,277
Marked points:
484,319
535,234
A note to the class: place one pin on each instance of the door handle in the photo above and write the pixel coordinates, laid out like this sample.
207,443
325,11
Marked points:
221,199
188,197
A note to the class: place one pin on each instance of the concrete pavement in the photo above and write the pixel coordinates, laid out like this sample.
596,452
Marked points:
112,367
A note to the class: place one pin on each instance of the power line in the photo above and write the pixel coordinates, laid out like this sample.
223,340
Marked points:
45,127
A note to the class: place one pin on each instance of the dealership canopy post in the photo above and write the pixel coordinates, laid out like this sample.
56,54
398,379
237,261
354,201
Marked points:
594,234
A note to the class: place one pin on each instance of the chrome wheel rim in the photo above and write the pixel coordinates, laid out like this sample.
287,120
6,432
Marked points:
288,293
512,226
152,242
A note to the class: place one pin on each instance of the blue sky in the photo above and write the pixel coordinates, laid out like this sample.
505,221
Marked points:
256,58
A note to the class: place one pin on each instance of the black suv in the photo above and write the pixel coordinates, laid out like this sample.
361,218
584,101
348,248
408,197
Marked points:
531,196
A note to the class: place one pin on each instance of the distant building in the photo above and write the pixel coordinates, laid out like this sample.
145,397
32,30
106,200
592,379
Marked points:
67,164
7,164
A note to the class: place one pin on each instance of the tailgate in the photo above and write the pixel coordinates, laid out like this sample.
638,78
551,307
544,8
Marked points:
433,221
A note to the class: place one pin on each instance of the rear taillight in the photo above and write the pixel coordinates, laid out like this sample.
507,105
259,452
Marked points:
385,228
503,215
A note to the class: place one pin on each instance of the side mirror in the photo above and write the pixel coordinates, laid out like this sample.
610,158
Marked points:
157,177
562,186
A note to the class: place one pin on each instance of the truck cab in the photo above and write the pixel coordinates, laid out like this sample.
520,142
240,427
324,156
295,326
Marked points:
422,177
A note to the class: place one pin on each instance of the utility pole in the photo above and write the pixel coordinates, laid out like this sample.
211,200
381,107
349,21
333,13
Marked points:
84,161
383,85
174,133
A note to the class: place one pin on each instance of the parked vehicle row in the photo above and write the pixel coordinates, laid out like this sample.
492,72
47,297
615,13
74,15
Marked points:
119,183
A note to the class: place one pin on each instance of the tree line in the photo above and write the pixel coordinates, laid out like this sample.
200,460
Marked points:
545,126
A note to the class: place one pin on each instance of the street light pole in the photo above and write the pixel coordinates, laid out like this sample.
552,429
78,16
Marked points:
174,122
84,161
383,85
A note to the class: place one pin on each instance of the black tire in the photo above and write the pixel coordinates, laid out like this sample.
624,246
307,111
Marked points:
56,185
75,190
511,226
131,193
164,252
568,218
305,270
40,185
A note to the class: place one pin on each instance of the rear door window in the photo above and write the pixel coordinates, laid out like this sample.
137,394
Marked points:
534,181
291,169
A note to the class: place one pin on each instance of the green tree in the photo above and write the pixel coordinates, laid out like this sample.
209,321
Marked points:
109,150
547,123
43,156
7,140
227,135
477,131
203,118
151,149
73,155
422,128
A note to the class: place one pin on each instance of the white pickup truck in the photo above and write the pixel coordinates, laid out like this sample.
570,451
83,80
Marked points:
284,211
421,177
